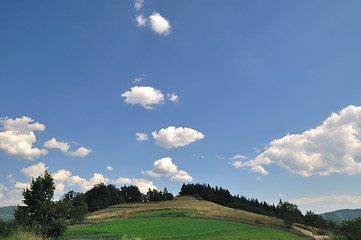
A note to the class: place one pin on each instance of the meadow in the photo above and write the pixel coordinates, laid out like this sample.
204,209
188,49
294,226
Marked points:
177,228
182,218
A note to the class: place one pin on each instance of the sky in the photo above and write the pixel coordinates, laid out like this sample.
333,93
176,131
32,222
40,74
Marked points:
259,97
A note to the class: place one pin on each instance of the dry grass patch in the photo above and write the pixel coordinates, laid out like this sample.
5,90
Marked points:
204,208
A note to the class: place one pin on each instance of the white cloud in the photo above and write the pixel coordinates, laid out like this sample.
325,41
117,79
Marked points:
172,97
122,180
328,203
65,177
173,137
59,188
163,167
142,22
52,143
138,4
142,136
17,137
144,95
9,176
238,157
80,152
35,170
1,195
259,169
20,185
182,176
159,24
144,185
62,175
329,148
110,168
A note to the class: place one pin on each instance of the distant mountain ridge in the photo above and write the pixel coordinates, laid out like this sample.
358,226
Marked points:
343,214
7,213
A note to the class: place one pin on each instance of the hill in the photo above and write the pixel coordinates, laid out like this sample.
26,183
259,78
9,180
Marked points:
7,213
343,214
182,218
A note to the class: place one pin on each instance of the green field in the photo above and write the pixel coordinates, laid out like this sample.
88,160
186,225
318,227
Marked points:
177,228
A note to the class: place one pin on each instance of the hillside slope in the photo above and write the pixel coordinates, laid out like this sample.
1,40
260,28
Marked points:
7,213
343,214
203,208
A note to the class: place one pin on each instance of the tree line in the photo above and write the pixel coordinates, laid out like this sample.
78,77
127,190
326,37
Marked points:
46,217
289,212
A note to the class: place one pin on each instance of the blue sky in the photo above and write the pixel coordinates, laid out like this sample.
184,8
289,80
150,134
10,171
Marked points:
260,97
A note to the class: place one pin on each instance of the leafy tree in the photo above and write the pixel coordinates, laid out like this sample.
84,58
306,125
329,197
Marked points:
154,195
98,197
115,195
290,213
352,229
40,212
167,195
79,208
131,193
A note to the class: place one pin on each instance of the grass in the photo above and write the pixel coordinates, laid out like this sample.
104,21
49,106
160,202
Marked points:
21,234
177,228
203,208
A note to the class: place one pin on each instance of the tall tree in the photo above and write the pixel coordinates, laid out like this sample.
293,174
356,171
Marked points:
40,211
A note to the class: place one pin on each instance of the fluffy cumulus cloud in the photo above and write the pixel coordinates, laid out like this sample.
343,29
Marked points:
144,95
156,22
329,148
80,152
122,180
142,136
35,170
259,169
159,24
63,177
173,137
182,176
165,167
328,203
64,146
53,143
17,137
144,185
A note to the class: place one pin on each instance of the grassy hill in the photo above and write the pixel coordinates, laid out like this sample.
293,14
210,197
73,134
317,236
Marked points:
182,218
341,215
7,213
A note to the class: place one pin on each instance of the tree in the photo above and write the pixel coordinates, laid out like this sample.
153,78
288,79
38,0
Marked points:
98,197
290,213
79,208
352,229
131,193
40,212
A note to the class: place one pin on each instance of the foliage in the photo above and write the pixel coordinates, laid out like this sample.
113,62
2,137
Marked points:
102,196
290,213
352,229
40,212
78,206
131,193
315,220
